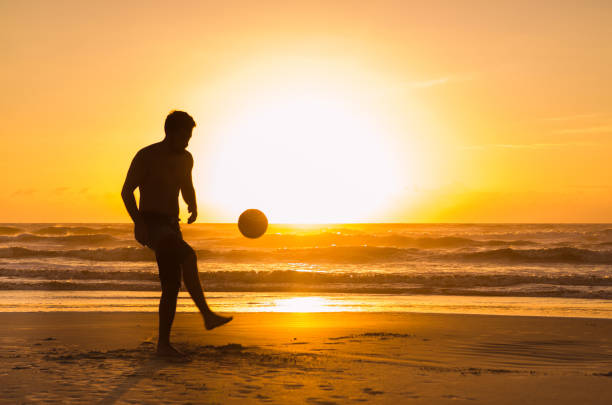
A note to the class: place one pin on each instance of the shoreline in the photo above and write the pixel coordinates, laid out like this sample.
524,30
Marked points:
264,302
381,313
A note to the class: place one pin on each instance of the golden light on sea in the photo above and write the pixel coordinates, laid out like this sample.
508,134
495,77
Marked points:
304,304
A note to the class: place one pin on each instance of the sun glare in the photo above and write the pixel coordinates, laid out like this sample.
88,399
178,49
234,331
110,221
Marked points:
303,150
304,304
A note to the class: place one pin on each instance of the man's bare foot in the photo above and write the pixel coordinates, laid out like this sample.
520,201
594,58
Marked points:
167,350
212,320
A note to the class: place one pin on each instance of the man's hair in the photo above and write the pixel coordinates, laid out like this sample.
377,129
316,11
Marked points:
178,120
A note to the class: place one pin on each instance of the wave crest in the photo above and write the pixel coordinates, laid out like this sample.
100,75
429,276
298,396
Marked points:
338,254
90,239
79,230
568,255
9,230
296,281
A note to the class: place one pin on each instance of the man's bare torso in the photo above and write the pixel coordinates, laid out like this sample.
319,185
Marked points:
161,175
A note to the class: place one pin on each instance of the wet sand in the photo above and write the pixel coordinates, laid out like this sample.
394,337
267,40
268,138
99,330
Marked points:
317,358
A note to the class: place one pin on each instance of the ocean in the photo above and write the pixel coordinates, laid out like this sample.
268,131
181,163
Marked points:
524,269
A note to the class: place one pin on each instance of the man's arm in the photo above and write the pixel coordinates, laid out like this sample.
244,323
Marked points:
188,192
133,180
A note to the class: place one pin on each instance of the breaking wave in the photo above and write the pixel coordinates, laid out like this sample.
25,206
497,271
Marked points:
9,230
400,241
336,254
553,255
552,260
100,254
89,239
80,230
296,281
320,277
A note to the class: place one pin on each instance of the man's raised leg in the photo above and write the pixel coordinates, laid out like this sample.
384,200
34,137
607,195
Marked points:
192,282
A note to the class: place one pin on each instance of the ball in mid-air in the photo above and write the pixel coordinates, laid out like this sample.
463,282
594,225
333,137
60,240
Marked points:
252,223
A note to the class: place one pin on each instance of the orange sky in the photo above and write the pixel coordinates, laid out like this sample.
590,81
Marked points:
389,111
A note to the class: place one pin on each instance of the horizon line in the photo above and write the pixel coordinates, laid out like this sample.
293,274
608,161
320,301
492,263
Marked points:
336,223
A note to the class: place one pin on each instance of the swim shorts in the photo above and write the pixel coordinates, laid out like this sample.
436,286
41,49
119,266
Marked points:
165,238
160,226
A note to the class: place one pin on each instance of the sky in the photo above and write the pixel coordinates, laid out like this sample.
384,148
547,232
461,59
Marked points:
313,111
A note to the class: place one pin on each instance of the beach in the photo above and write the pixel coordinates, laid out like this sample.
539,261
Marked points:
324,314
316,358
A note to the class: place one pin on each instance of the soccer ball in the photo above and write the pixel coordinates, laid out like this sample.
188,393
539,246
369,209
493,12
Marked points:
252,223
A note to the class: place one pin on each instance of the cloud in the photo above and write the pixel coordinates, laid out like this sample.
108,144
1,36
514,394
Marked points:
573,117
589,186
60,190
523,146
440,81
603,129
26,191
430,83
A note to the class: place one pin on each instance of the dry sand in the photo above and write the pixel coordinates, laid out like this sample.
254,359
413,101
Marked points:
319,358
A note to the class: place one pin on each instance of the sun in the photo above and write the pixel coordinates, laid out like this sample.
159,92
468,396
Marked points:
303,149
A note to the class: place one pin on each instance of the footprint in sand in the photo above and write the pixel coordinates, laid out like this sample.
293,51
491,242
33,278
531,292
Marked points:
317,401
451,396
247,389
371,391
293,386
263,398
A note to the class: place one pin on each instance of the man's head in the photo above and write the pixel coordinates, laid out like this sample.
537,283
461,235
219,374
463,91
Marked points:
178,127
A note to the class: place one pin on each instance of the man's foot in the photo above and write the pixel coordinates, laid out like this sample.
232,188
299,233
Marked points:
167,350
212,320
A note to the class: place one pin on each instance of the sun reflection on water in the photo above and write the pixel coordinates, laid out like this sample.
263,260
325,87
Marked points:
304,304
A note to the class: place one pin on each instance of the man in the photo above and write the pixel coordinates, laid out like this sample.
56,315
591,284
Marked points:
160,171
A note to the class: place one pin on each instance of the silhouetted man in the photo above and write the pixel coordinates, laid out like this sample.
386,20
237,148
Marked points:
160,171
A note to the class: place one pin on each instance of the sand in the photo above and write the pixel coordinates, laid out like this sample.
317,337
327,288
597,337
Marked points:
318,358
